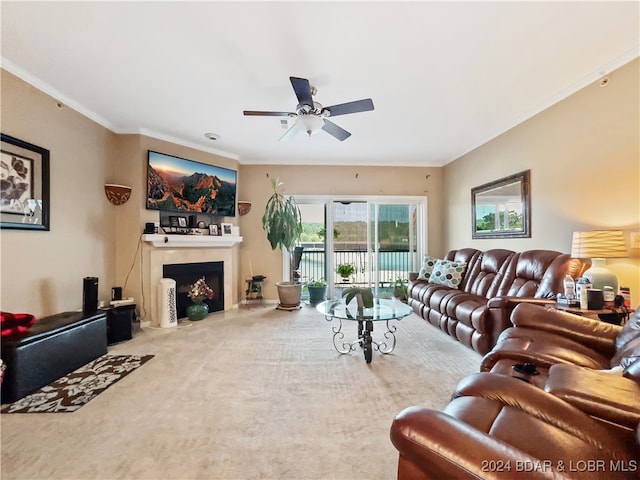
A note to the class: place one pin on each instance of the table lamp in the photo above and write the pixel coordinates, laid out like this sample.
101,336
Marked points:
598,245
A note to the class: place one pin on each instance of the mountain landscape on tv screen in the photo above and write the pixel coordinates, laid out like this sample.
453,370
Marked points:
195,193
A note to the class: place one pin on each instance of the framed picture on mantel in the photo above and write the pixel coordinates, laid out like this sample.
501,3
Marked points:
225,229
24,185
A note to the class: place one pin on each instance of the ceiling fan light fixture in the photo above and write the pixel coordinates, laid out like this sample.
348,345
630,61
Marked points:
310,116
309,123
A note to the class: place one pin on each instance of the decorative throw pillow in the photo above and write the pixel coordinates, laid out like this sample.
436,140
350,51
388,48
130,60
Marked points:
427,267
448,273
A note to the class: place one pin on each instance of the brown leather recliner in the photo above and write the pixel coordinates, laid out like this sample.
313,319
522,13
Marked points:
546,336
584,423
498,427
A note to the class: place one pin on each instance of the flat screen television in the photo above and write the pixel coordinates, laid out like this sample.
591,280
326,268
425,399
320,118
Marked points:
177,184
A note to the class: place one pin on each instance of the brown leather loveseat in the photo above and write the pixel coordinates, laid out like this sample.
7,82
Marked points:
476,310
581,421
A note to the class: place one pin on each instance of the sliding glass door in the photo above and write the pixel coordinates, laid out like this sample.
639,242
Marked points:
373,242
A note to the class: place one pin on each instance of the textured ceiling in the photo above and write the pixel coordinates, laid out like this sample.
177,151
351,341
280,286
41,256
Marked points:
445,77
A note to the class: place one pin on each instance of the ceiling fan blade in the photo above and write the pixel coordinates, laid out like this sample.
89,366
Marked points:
289,134
303,90
268,114
350,107
333,129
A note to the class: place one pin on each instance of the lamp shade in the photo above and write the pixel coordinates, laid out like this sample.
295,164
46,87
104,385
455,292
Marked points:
599,244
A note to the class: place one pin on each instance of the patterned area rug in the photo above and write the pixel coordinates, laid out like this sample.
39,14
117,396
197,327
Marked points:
78,388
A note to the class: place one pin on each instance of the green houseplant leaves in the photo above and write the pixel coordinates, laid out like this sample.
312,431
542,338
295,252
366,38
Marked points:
366,293
282,220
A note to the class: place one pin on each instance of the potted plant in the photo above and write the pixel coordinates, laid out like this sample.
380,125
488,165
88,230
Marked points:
283,223
401,289
317,291
345,270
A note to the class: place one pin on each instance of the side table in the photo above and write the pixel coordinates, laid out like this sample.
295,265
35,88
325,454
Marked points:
120,323
253,293
615,315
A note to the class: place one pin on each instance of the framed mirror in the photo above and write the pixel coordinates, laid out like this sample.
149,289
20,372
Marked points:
502,209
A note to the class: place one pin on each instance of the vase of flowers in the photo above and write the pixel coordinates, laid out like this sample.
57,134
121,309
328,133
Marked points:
199,310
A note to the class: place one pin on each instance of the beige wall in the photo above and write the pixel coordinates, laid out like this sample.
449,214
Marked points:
584,158
583,155
255,187
42,271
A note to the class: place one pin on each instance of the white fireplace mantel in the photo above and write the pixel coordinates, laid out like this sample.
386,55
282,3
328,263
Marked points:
191,241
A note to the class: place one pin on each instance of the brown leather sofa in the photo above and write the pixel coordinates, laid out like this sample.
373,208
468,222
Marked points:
584,423
494,281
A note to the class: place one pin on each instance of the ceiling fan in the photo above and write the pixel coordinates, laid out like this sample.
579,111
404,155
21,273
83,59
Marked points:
310,116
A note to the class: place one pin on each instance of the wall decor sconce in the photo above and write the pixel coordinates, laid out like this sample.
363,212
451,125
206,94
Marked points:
243,207
117,194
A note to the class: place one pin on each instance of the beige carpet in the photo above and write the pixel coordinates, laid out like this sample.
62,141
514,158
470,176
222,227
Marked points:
250,394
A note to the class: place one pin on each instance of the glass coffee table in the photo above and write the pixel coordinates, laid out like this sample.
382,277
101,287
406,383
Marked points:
383,310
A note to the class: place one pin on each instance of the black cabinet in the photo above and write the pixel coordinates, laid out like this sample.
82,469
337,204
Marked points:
120,323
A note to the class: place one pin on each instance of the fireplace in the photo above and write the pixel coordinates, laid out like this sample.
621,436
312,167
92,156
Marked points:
161,250
186,274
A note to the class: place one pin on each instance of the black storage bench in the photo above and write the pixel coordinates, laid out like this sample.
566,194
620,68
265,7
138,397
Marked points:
51,348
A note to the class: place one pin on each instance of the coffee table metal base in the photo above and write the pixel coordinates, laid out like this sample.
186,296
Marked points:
365,340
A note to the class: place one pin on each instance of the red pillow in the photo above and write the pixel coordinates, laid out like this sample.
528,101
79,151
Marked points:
15,322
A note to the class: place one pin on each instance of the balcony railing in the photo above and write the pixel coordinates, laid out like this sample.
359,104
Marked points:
392,265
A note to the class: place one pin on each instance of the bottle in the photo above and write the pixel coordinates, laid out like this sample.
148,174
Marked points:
608,295
584,301
626,294
569,287
582,285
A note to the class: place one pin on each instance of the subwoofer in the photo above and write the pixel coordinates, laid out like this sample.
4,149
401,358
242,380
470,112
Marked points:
120,323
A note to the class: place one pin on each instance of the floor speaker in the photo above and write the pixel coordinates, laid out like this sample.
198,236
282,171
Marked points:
89,295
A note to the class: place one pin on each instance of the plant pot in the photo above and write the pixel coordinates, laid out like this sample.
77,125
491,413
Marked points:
289,294
197,311
317,294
